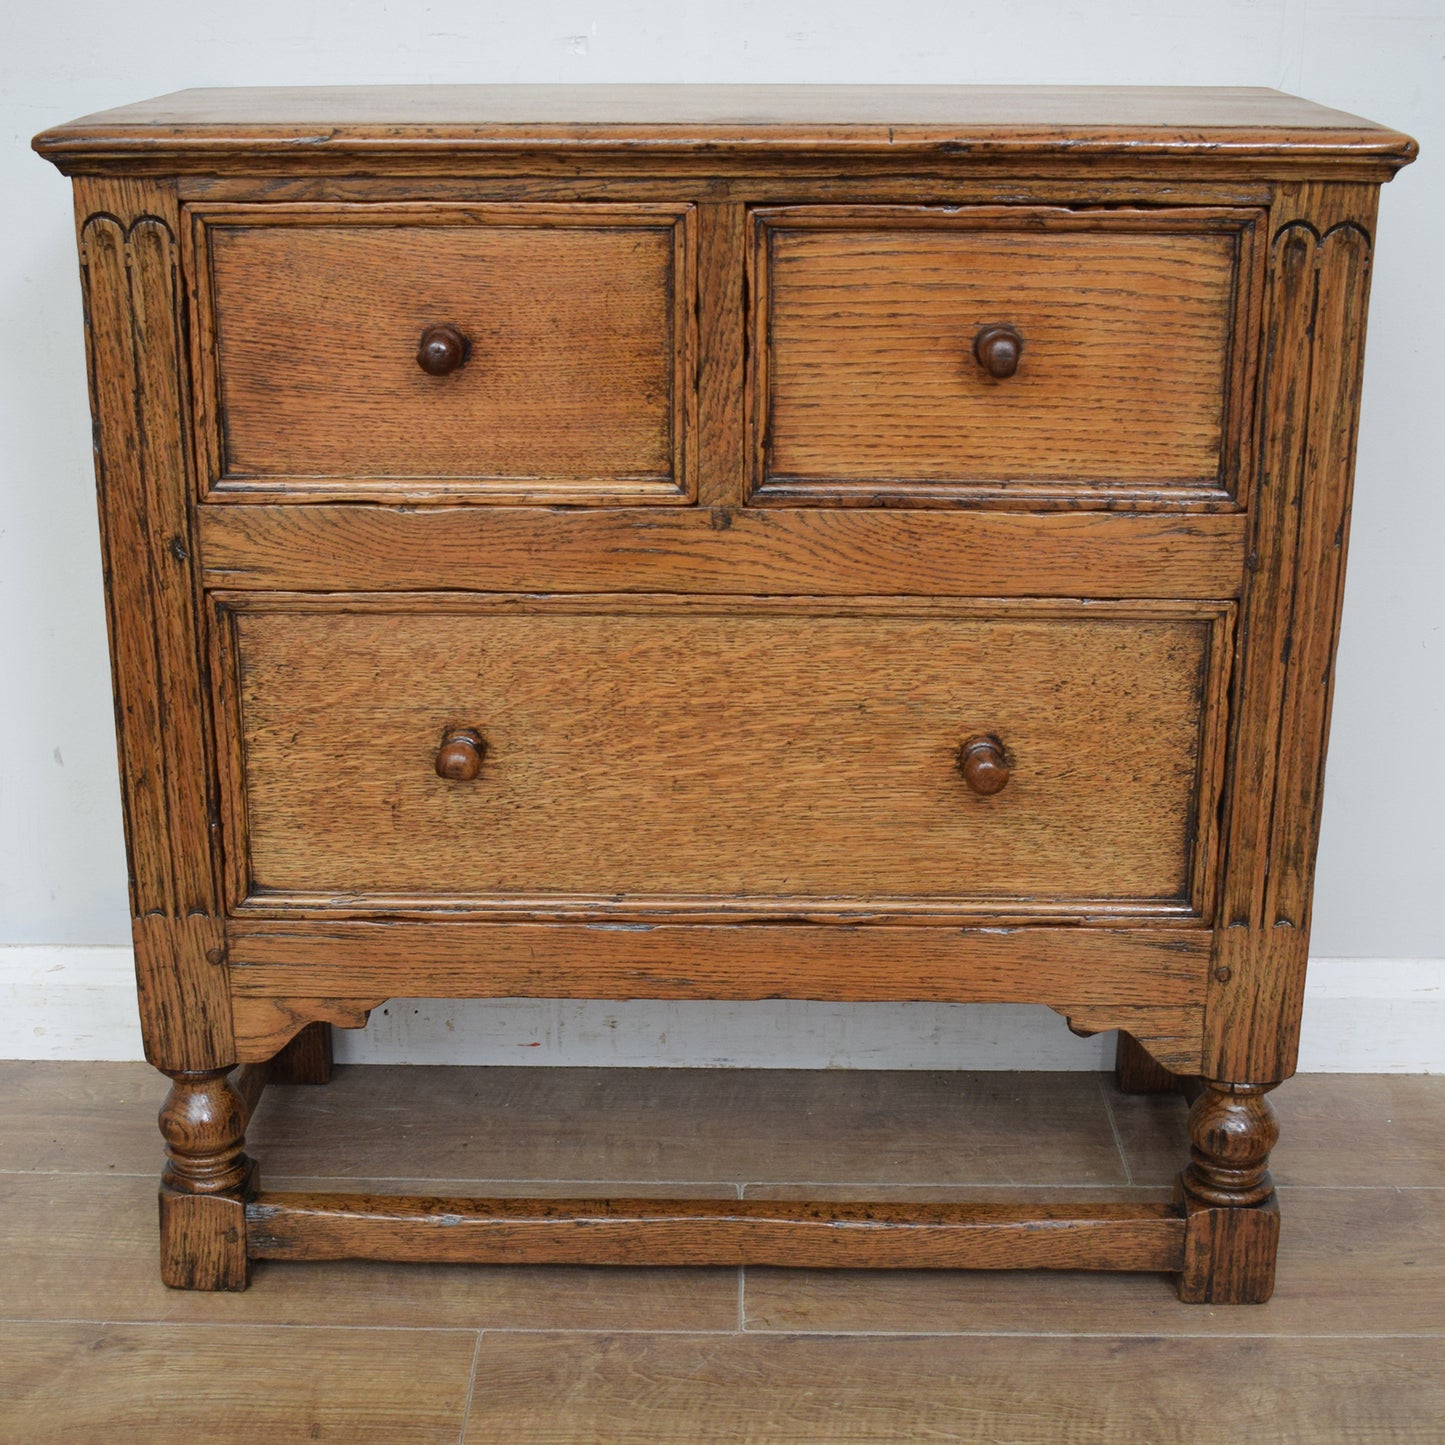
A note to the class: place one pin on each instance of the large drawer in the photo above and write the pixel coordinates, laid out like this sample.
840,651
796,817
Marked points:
1005,356
788,757
558,339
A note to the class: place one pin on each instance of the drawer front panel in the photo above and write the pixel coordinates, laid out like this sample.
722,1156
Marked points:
872,349
747,758
571,384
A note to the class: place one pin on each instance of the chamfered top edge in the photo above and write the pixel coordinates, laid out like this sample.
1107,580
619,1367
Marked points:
1240,122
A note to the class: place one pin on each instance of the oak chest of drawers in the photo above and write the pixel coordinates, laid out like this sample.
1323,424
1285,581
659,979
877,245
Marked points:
724,543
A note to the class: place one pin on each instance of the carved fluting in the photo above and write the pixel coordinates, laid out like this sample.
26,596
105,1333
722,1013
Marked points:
132,305
135,329
203,1122
1232,1128
1341,290
1314,327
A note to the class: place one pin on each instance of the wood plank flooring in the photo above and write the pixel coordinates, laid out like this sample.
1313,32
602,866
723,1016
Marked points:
94,1349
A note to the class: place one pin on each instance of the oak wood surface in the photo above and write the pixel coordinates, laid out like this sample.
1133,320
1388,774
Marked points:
1136,1072
722,550
101,1265
80,1246
704,1232
577,323
1326,1285
135,357
827,768
1131,386
1148,981
307,1059
748,740
1319,280
823,184
1204,128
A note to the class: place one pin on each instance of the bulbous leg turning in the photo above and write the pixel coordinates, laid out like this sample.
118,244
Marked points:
1228,1197
205,1184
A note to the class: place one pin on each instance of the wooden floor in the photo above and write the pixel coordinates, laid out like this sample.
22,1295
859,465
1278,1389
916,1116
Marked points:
94,1349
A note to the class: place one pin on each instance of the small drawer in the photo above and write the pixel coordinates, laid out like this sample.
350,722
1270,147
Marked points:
1003,356
634,757
523,353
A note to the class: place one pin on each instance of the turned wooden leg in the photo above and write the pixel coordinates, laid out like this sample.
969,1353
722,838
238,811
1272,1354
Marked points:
205,1184
1228,1197
306,1059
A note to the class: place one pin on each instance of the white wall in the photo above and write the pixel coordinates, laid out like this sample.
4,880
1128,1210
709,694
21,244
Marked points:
1382,861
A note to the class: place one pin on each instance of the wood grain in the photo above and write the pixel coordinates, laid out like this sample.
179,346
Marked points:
129,273
763,750
828,184
1116,967
721,348
714,749
1327,1284
577,384
722,551
307,1059
1319,284
64,1383
1137,1072
705,1232
77,1246
82,1247
681,1390
1128,390
1119,130
284,975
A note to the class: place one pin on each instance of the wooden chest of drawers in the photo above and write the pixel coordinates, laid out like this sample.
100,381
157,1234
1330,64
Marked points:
724,543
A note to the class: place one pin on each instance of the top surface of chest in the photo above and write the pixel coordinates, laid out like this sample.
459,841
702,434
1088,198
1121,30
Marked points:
1226,130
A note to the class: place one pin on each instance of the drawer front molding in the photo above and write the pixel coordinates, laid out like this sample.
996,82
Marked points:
413,353
1005,356
636,758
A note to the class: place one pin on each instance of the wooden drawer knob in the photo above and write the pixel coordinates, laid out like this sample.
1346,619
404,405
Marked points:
459,759
984,766
997,349
442,349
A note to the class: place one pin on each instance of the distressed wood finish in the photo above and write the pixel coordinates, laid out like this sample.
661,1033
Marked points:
307,1059
981,649
1126,381
1149,980
722,549
130,275
704,1232
206,1180
830,776
1137,1071
1319,281
572,383
706,130
1228,1197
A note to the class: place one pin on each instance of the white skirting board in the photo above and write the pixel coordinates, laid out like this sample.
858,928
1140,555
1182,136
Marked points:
1362,1015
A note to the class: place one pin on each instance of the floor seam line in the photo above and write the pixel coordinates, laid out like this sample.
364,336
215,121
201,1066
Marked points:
471,1389
1114,1129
